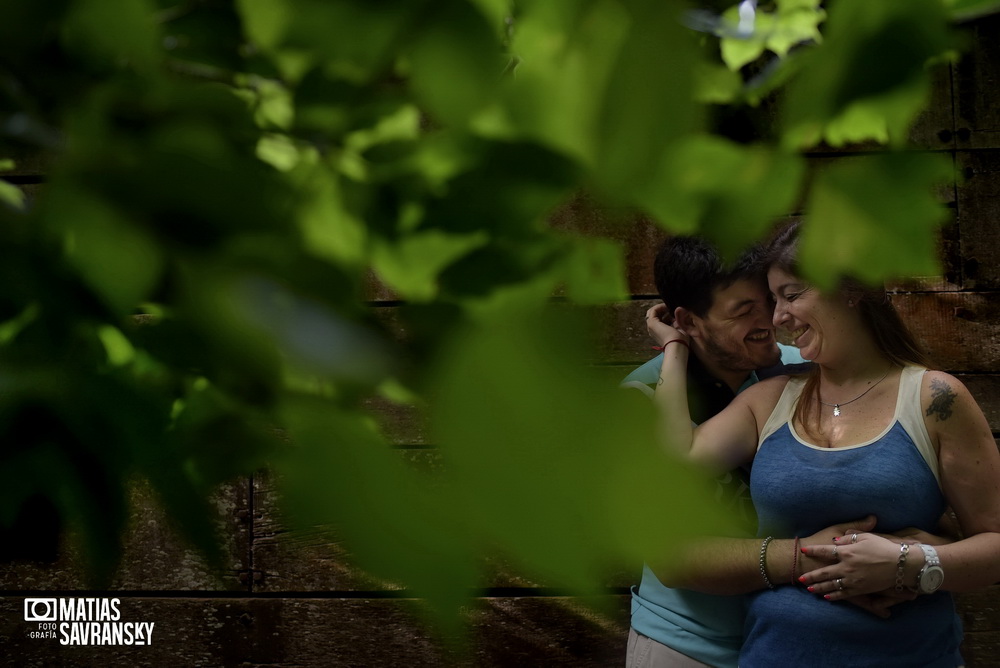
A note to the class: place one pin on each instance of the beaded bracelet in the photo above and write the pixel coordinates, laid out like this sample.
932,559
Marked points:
763,559
904,549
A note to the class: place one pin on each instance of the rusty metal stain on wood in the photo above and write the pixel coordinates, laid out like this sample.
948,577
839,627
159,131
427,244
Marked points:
978,212
977,80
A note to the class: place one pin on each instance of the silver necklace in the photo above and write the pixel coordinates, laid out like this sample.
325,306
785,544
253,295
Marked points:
836,407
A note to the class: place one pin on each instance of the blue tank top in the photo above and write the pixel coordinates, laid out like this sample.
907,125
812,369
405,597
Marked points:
799,489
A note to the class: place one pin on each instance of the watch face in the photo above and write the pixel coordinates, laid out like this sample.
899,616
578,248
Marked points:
931,579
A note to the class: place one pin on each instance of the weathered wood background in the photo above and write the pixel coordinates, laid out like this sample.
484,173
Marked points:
291,599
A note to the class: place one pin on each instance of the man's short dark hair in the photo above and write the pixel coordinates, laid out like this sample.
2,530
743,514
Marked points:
687,271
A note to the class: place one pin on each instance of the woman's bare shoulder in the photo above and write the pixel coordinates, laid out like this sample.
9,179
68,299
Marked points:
763,396
941,394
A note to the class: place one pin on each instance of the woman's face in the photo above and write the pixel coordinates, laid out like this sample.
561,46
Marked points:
816,322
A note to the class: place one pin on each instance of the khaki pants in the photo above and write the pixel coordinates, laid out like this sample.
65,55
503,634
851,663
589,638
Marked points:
645,652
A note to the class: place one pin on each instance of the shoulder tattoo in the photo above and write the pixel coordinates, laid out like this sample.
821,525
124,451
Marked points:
944,397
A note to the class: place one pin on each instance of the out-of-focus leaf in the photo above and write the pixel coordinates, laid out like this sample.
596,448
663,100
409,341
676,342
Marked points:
214,436
355,39
872,63
874,218
274,106
203,37
116,257
730,192
566,52
266,21
535,180
738,51
966,10
11,195
279,151
341,477
641,117
411,265
108,32
120,350
796,22
330,230
793,22
716,84
595,272
565,487
455,61
309,335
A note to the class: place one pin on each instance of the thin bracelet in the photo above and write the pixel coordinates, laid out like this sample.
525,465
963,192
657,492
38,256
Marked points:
795,560
904,549
763,559
667,343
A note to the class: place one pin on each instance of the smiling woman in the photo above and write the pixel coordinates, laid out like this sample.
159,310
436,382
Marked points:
915,445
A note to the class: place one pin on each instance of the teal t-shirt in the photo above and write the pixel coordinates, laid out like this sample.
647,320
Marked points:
705,627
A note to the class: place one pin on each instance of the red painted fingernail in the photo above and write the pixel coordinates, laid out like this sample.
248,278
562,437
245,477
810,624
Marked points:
803,550
836,539
826,596
810,589
802,579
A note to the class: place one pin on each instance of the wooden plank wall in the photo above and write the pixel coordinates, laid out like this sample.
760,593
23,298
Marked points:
291,599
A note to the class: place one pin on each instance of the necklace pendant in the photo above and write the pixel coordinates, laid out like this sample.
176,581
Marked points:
836,410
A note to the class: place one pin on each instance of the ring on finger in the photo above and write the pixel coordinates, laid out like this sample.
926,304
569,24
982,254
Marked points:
835,552
854,538
840,584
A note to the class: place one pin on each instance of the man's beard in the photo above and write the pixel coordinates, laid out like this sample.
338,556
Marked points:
737,357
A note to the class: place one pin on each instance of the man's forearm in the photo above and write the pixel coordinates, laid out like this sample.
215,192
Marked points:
714,565
729,565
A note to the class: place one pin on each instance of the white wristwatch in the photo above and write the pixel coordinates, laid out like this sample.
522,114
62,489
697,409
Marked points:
931,576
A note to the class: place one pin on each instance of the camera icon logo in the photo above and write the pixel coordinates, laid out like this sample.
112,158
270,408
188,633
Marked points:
40,610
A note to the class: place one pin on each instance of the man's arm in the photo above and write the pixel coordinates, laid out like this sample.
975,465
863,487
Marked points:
732,565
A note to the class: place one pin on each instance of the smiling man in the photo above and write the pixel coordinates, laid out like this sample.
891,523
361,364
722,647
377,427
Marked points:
727,313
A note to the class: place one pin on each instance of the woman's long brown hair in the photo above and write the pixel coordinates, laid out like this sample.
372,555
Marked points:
892,338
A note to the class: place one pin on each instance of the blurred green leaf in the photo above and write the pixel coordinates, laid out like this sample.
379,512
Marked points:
265,21
455,61
120,350
410,266
355,39
11,195
566,53
341,477
869,79
965,10
793,22
558,487
110,32
875,217
716,84
732,193
331,231
595,272
117,259
642,116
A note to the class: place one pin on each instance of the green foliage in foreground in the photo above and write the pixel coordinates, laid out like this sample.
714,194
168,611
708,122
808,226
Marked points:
236,172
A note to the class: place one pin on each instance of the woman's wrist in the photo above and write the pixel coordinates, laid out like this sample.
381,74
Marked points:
676,339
